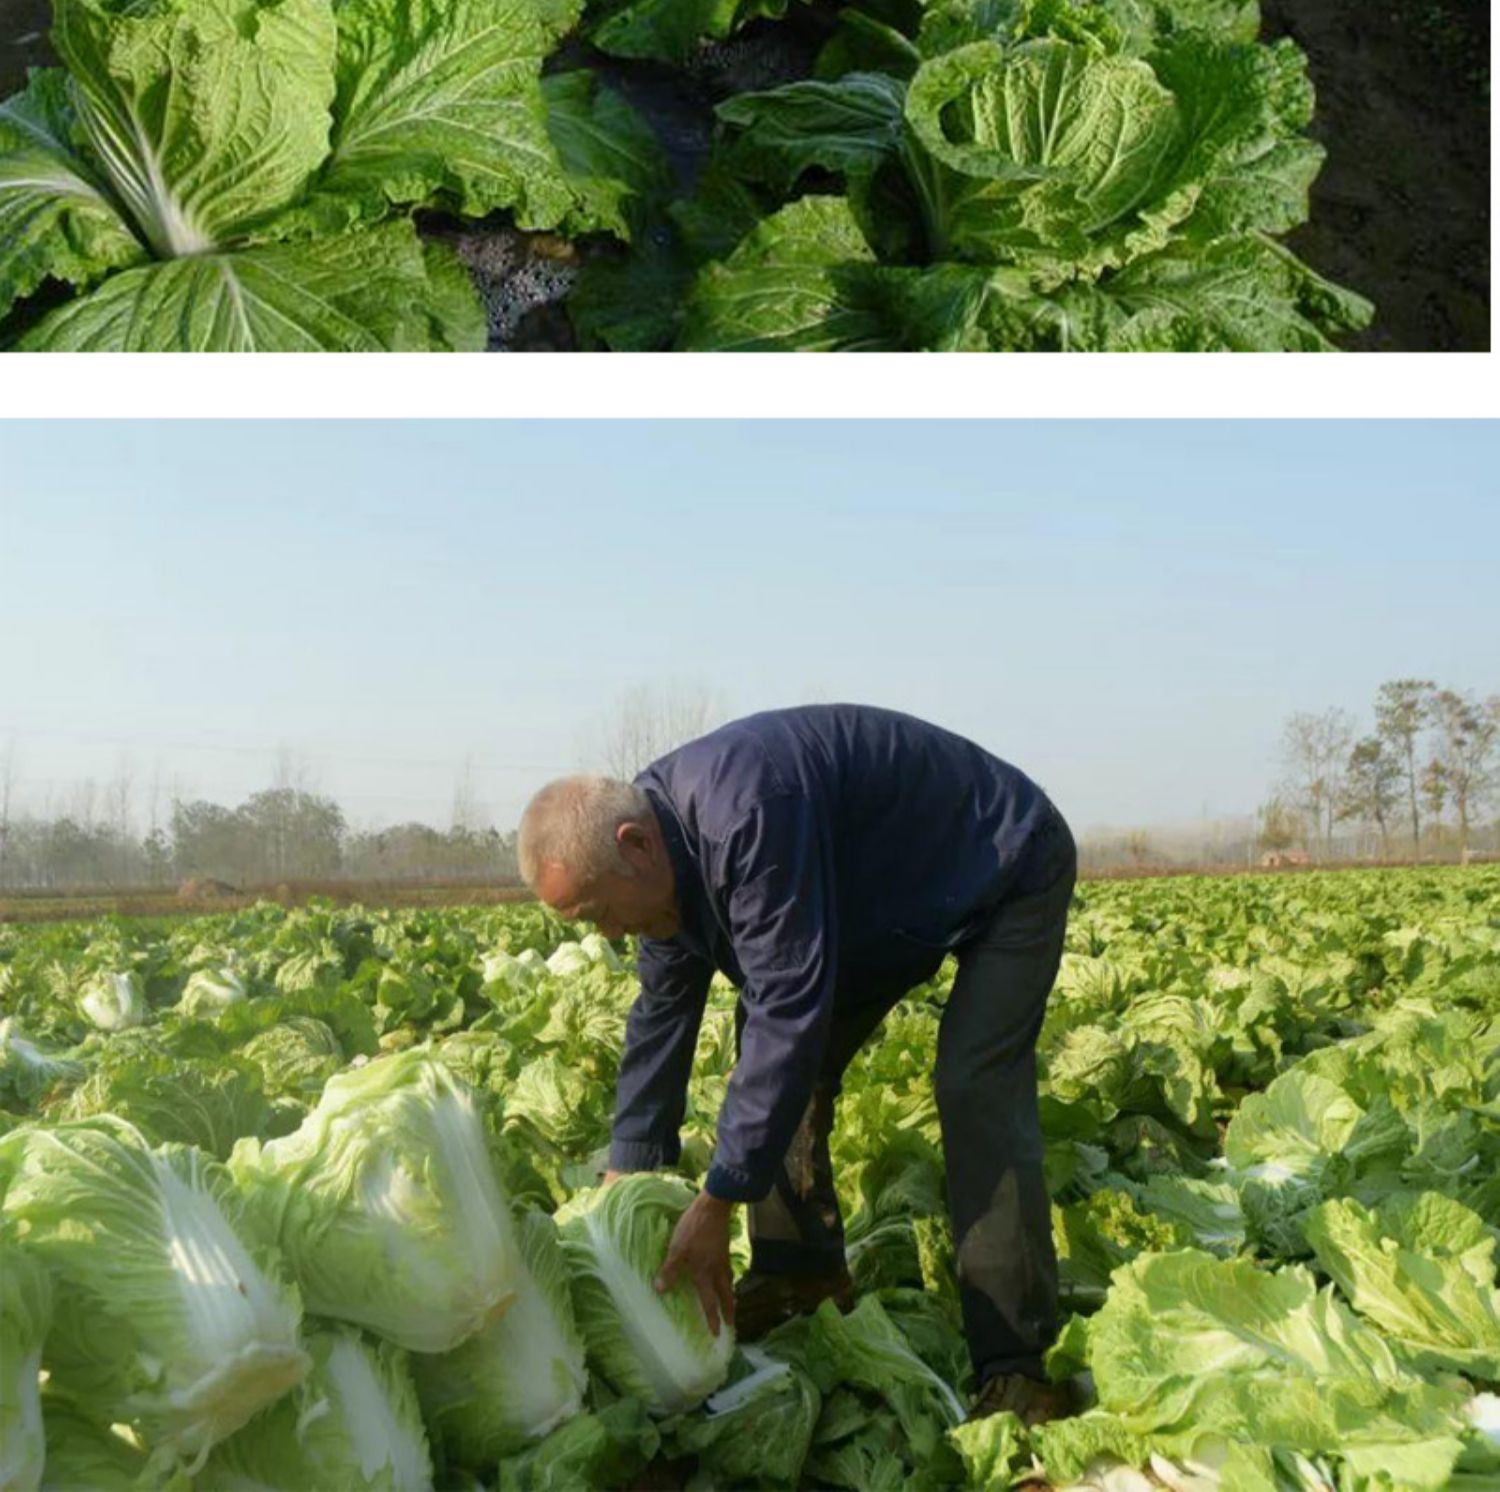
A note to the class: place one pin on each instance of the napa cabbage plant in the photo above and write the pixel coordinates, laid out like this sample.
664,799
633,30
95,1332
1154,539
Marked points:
82,1453
217,174
1420,1266
386,1205
656,1347
518,1378
353,1425
1000,174
1189,1350
1034,195
30,1070
757,1429
171,1313
207,1102
25,1315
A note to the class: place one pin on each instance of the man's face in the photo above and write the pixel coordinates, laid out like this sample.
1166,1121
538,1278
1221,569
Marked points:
644,904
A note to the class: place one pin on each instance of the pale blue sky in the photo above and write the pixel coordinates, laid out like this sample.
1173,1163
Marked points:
1127,610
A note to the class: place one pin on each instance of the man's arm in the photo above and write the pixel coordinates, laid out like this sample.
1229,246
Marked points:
661,1032
778,866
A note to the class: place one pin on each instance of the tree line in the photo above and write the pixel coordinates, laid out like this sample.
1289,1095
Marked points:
1416,779
288,832
276,835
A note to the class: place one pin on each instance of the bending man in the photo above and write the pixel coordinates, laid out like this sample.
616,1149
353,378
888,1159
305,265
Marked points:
826,859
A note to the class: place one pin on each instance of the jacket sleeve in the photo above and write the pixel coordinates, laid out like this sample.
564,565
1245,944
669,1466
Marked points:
661,1033
777,868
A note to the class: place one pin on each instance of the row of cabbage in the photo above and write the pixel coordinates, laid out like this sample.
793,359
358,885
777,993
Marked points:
974,174
308,1199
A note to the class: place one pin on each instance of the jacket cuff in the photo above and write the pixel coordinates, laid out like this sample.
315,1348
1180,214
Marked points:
735,1184
642,1155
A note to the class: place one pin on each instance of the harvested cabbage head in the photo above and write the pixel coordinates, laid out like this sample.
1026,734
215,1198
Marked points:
169,1313
25,1314
656,1347
386,1205
519,1377
113,1002
353,1426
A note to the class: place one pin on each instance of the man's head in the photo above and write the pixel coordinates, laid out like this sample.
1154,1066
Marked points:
592,849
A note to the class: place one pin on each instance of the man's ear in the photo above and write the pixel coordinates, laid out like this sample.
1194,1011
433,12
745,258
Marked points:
635,844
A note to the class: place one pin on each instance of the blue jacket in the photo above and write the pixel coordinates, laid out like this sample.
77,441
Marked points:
824,856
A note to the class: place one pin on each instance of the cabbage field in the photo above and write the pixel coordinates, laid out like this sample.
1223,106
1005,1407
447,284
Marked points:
306,1201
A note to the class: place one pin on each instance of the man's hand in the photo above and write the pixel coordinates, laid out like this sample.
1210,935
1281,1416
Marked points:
700,1250
610,1177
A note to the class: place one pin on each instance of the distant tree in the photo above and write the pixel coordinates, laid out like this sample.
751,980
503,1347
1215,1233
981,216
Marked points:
1433,785
1466,732
1403,708
1280,826
1315,747
1138,847
1371,788
156,851
210,840
294,833
648,721
7,787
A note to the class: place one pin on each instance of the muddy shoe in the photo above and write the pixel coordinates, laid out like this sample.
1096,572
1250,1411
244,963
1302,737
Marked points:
1033,1401
764,1301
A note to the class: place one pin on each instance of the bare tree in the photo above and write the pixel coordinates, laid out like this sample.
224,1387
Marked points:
1314,747
1371,788
1466,733
153,801
1403,708
649,721
118,796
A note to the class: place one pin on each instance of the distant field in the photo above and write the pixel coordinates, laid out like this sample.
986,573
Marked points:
166,901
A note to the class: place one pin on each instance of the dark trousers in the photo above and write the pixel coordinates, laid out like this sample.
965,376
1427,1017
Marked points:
986,1087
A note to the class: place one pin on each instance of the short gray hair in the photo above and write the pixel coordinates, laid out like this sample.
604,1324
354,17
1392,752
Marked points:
573,820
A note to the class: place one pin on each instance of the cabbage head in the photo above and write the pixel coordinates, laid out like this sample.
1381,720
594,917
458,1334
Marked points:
521,1376
353,1426
170,1312
386,1205
657,1348
25,1314
114,1002
208,991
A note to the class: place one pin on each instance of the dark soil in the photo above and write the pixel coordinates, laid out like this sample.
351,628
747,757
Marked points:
23,41
1400,212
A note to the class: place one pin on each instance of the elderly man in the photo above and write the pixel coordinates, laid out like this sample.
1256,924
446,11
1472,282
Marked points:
826,859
